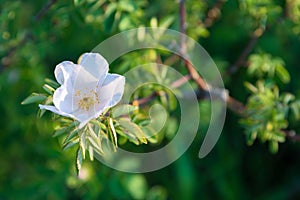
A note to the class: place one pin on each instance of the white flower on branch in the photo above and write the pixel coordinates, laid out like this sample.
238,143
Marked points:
87,89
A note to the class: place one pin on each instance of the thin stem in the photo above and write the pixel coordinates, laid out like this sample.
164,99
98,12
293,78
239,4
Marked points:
29,36
291,134
181,81
247,50
232,103
43,10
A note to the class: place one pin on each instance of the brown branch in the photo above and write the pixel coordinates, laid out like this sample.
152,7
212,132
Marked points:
181,81
151,97
204,91
213,13
145,100
44,10
171,60
291,134
192,71
233,104
247,50
6,61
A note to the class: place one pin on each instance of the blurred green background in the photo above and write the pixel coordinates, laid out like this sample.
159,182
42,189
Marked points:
37,35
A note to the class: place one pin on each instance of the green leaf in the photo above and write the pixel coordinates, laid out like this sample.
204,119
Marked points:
61,131
112,128
163,98
150,134
287,98
110,14
50,90
134,129
126,134
167,21
136,185
65,129
123,110
111,136
127,6
273,147
34,97
96,144
91,153
125,23
95,140
70,144
78,2
250,87
48,101
295,108
52,83
41,112
282,74
82,143
172,100
278,136
79,160
71,135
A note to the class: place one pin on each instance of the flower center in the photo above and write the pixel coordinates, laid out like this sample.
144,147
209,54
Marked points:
87,102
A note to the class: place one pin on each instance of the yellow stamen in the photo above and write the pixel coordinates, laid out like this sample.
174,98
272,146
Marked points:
87,102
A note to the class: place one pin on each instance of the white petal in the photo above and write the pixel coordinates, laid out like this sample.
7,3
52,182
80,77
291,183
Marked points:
96,65
111,92
64,71
64,99
55,110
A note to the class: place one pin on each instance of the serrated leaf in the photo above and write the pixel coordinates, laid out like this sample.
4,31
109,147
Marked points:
34,97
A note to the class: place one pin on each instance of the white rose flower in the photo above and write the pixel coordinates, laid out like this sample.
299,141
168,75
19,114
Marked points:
86,90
